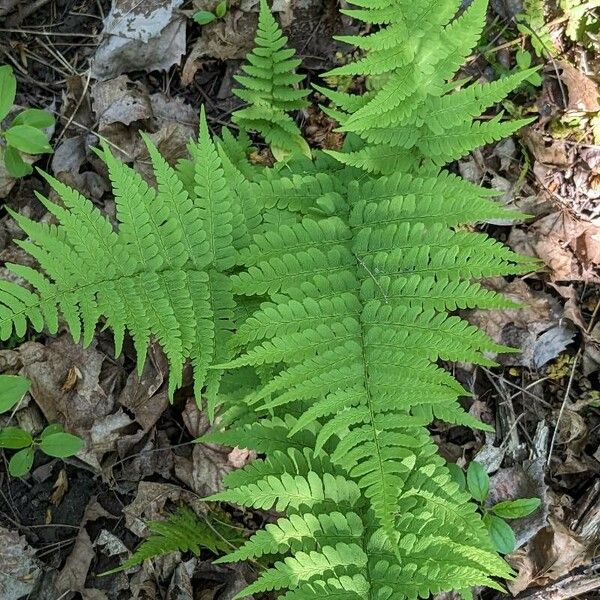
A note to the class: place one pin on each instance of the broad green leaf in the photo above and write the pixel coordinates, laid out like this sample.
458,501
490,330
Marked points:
523,59
51,429
28,139
12,389
204,17
221,9
14,164
503,537
457,475
61,445
21,462
14,438
35,117
478,481
515,509
8,90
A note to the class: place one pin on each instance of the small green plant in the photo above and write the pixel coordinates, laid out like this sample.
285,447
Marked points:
204,17
532,23
25,134
184,531
582,19
523,59
477,483
53,441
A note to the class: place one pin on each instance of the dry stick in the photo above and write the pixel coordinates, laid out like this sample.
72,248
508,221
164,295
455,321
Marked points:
569,385
79,102
47,33
26,11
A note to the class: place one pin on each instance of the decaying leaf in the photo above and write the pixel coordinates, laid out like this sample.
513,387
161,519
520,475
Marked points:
582,91
569,247
536,328
148,35
228,38
551,554
19,569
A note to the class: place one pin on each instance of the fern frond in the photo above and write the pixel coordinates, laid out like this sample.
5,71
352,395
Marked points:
182,531
270,87
411,116
159,274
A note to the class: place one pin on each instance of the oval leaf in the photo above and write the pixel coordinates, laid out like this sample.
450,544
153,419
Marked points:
221,9
515,509
14,164
12,389
478,481
35,117
28,139
458,475
204,17
61,445
503,537
21,462
51,429
8,90
14,438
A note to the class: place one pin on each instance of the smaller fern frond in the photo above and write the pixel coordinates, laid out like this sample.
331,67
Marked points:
270,87
183,531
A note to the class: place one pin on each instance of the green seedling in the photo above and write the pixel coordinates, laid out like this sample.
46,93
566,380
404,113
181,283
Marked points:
204,17
477,483
25,134
53,440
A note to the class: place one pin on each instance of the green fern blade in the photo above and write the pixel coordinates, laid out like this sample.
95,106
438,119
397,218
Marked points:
213,199
445,112
459,141
340,588
183,213
379,160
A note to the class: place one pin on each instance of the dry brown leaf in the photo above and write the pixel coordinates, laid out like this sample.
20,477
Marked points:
60,487
141,396
148,35
568,246
554,552
582,91
82,409
548,150
73,575
204,470
120,100
521,328
229,38
19,569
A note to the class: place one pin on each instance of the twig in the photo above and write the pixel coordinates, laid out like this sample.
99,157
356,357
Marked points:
570,384
79,103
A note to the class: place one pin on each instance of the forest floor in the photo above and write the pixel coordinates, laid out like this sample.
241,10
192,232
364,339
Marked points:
70,520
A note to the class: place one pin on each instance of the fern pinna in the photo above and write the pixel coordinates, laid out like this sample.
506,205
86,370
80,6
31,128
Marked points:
324,289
